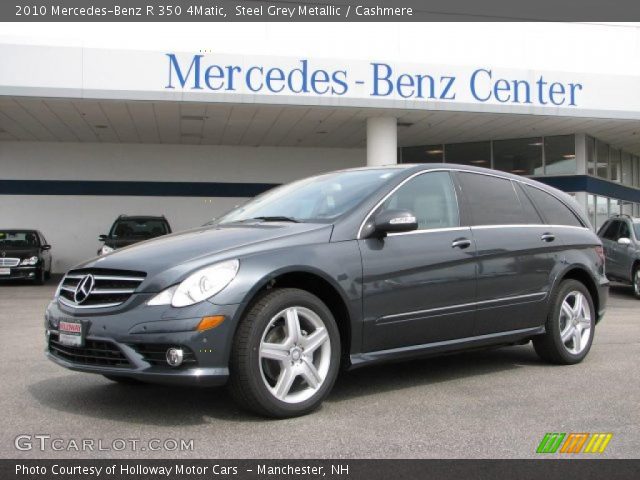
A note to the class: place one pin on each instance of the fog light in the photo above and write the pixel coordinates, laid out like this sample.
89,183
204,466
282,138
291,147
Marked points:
175,356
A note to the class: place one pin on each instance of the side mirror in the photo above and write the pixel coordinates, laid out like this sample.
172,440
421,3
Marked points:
624,241
394,221
103,237
45,247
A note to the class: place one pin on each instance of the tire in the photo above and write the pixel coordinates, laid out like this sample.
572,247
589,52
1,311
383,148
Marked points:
566,317
273,370
635,281
123,380
40,277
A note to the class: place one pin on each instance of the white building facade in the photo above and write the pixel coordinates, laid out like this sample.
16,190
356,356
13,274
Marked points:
191,122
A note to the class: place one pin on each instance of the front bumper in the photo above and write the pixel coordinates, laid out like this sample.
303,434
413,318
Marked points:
22,273
119,343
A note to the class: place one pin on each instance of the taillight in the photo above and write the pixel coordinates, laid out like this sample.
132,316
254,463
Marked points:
600,252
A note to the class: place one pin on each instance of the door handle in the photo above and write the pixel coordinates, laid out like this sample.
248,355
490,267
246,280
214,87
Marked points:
461,243
547,237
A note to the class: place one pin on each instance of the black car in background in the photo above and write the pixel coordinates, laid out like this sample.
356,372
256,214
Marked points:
24,255
130,229
347,269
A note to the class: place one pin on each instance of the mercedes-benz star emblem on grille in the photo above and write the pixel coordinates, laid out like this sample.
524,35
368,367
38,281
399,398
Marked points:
84,288
4,254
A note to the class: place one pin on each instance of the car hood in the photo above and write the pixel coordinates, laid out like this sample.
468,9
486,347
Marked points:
171,257
19,252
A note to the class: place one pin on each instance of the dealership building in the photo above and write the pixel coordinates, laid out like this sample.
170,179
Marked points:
92,130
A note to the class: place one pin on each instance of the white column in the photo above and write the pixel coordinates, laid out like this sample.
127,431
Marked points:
382,141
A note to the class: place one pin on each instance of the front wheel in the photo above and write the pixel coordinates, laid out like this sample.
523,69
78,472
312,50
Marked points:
570,325
285,355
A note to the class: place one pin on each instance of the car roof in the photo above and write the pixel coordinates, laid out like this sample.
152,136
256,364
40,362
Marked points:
141,217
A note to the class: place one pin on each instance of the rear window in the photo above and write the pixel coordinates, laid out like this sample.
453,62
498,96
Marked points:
554,211
494,201
18,239
139,228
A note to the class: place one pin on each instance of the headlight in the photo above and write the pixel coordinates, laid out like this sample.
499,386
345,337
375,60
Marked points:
105,249
29,261
198,286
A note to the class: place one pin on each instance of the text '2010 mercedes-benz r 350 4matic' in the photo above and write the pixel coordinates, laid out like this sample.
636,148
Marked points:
344,269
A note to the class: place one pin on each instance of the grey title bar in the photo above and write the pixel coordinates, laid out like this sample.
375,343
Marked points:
318,10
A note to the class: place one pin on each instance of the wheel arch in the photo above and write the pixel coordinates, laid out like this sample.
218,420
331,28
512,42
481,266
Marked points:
316,283
582,275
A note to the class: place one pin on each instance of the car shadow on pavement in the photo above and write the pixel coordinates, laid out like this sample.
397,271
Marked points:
93,396
430,371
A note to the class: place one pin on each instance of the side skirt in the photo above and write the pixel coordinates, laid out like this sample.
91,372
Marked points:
431,349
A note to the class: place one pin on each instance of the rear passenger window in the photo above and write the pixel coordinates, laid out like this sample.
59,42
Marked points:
494,201
625,232
554,211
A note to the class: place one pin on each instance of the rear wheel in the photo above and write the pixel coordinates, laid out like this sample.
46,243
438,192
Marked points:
285,355
570,325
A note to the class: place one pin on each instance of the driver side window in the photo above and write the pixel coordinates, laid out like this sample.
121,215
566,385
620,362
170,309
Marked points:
431,197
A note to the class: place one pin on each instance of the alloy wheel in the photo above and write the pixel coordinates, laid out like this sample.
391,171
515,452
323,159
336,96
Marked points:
575,322
295,354
636,283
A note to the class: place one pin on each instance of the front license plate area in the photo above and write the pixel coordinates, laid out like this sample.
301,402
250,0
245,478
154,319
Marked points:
5,271
71,334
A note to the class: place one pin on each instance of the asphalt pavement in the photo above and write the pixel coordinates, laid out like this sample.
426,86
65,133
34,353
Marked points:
485,404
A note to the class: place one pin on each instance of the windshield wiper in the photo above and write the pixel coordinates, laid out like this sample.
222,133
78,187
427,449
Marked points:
276,219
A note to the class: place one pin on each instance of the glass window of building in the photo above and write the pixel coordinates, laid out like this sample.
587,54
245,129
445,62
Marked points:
560,155
423,154
522,156
616,169
625,159
602,159
591,209
471,153
636,167
602,211
591,156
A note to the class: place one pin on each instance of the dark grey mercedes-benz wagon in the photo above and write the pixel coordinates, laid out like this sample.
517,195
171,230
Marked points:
344,269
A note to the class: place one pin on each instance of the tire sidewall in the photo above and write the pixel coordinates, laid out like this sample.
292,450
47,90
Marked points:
260,319
634,281
554,321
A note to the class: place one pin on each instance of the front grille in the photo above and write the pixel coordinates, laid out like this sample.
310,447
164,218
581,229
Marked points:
156,354
94,352
9,262
102,288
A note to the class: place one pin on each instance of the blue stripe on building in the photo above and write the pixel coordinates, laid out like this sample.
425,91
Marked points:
137,189
595,186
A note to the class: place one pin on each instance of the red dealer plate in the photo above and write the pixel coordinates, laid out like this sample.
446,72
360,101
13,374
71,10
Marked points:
70,333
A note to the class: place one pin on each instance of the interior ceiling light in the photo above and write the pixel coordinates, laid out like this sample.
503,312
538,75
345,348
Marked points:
518,171
569,156
435,151
477,162
535,144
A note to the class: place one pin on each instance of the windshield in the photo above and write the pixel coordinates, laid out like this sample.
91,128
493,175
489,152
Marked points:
138,228
315,199
18,239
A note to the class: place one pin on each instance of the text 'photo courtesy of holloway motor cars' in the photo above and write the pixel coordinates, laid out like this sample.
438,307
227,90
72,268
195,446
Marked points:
338,271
